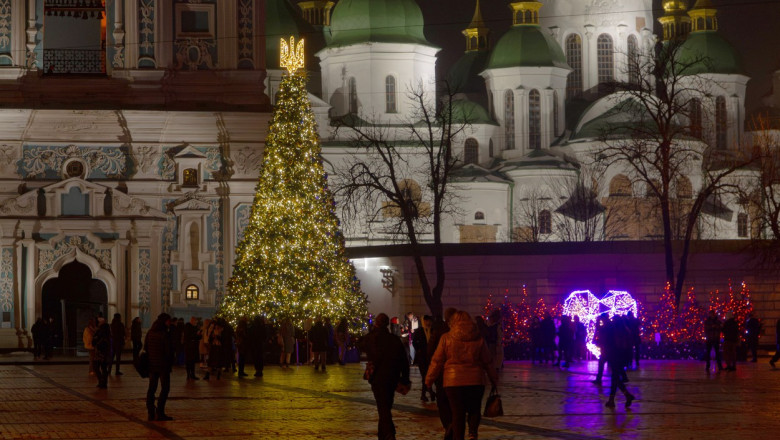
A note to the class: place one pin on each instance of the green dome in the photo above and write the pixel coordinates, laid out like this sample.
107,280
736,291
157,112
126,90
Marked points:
282,21
470,112
375,21
527,45
464,77
708,52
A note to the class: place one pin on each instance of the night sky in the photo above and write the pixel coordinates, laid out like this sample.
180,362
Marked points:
752,26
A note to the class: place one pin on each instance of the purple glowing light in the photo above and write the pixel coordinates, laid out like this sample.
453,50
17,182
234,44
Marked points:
584,304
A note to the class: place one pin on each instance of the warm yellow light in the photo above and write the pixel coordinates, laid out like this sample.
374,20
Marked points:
291,57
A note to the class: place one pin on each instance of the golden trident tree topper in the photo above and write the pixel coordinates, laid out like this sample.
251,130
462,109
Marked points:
291,57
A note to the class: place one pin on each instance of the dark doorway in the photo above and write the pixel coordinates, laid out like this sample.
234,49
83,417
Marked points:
72,299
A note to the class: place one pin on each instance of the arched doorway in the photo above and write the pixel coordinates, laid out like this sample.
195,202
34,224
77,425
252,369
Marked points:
72,299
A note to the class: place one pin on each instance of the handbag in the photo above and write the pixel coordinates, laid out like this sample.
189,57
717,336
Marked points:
369,373
142,364
493,406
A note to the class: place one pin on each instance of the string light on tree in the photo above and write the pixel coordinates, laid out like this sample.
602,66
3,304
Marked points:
292,262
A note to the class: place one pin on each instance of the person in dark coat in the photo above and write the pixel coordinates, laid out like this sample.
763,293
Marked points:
580,339
776,357
636,333
318,336
730,341
565,342
548,338
159,346
191,343
37,335
618,346
257,338
390,364
752,333
712,329
48,336
117,342
135,337
102,343
421,359
242,344
600,341
228,345
439,329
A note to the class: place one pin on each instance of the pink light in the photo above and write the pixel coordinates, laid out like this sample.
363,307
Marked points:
584,304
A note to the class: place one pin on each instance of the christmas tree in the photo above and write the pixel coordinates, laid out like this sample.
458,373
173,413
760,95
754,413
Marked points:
665,316
291,263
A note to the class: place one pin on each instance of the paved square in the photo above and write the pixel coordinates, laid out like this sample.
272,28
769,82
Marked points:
676,400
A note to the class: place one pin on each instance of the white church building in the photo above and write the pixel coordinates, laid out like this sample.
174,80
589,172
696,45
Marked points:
131,132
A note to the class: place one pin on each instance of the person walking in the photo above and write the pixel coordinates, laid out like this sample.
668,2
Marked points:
712,329
548,338
600,341
752,333
636,337
565,342
257,337
102,361
37,335
117,342
216,361
287,342
618,347
439,328
135,337
318,336
242,344
87,337
462,359
496,327
730,341
191,344
388,366
776,357
159,346
420,344
342,339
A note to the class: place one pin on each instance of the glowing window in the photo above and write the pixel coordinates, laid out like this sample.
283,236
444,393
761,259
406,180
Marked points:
192,292
190,177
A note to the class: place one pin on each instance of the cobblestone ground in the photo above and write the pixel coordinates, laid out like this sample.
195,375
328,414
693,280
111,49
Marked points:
676,400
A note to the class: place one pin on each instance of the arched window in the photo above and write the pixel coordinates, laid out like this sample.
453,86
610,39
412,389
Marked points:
390,106
509,119
606,58
353,100
695,118
545,222
471,151
192,292
555,113
479,216
742,225
633,60
534,120
490,148
721,123
620,186
574,59
684,188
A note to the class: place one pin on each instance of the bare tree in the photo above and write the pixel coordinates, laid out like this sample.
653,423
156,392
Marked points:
399,177
533,214
657,138
760,199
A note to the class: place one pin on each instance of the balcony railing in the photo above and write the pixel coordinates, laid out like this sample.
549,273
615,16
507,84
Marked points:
74,61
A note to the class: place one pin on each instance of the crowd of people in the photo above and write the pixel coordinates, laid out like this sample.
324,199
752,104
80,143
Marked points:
457,356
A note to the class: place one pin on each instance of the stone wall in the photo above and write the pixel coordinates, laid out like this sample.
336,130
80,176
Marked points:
552,270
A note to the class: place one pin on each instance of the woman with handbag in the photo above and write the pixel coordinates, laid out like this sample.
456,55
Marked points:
463,357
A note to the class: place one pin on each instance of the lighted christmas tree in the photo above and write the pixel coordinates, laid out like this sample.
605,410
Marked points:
665,316
692,316
291,262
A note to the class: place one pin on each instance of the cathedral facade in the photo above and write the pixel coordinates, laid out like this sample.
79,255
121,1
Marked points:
131,133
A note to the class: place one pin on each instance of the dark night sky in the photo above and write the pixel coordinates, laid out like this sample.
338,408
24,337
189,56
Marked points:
752,26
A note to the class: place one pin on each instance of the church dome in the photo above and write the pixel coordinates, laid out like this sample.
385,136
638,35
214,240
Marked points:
708,52
527,46
376,21
463,76
282,21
